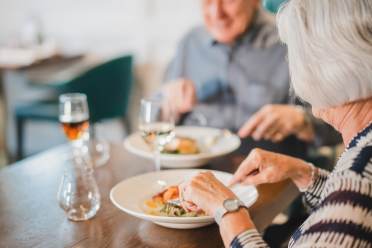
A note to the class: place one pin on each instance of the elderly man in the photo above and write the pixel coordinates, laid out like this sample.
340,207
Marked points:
233,74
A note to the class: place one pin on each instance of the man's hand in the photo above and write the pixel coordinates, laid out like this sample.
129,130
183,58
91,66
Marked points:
181,94
275,122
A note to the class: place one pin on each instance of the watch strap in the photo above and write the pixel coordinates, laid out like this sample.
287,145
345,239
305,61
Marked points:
222,211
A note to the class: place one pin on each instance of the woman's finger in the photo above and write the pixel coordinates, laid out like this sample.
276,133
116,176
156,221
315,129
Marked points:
247,167
196,184
257,179
189,206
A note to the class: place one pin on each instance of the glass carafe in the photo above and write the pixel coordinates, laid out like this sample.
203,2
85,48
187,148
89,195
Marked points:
78,193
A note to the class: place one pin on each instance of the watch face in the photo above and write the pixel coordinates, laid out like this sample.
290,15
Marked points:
231,204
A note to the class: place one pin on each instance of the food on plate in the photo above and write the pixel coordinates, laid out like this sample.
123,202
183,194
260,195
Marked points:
182,145
163,204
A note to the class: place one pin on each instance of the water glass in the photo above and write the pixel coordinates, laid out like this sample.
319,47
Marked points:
78,193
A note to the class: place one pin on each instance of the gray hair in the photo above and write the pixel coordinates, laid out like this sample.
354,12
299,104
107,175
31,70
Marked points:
329,49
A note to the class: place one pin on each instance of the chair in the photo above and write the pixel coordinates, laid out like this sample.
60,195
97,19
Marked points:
272,5
107,87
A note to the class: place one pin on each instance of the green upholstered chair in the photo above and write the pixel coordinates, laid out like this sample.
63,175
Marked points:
107,87
272,5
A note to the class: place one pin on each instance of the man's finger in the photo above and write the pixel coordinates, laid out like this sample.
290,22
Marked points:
186,96
189,96
180,98
268,123
269,134
249,127
278,137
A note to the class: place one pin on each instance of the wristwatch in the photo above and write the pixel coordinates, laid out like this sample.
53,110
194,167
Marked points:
228,206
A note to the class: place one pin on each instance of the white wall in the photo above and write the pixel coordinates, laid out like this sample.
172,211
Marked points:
148,28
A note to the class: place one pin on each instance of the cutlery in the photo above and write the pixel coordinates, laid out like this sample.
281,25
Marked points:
178,202
213,140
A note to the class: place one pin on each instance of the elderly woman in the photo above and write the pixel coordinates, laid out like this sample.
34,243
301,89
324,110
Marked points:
330,58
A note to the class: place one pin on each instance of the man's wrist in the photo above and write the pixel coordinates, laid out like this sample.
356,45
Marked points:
305,129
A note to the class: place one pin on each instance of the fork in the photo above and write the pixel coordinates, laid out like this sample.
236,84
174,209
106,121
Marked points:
178,202
211,141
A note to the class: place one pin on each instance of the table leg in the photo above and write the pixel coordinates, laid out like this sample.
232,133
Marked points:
3,119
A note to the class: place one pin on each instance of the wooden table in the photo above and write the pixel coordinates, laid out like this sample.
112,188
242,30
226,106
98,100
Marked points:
30,215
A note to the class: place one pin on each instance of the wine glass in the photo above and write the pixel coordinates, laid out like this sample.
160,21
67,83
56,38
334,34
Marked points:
156,124
74,117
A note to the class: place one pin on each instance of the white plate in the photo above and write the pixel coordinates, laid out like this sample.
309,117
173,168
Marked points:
130,194
224,145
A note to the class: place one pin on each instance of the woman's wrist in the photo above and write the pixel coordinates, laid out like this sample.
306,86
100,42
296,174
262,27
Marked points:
312,179
234,223
303,174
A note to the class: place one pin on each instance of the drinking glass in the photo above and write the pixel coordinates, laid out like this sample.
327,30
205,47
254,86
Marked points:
156,124
99,151
74,117
78,193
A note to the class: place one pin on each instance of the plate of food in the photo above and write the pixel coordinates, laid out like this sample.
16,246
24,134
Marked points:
190,147
151,197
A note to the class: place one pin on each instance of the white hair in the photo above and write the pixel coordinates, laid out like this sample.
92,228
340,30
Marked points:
329,49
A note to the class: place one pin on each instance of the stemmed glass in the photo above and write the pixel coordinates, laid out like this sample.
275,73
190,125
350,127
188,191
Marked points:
74,117
78,194
156,124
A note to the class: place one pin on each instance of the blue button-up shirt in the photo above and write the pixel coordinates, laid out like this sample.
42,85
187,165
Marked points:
233,81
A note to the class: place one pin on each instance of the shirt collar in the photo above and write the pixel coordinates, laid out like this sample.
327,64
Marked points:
361,136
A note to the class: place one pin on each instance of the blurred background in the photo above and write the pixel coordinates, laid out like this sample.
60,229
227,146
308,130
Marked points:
43,42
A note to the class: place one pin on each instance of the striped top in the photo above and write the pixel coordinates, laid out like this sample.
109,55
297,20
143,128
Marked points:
340,201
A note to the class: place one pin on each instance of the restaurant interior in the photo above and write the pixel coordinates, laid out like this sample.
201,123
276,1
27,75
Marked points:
97,148
73,40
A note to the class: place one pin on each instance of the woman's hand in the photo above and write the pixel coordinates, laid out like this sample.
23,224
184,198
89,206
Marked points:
206,191
267,167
